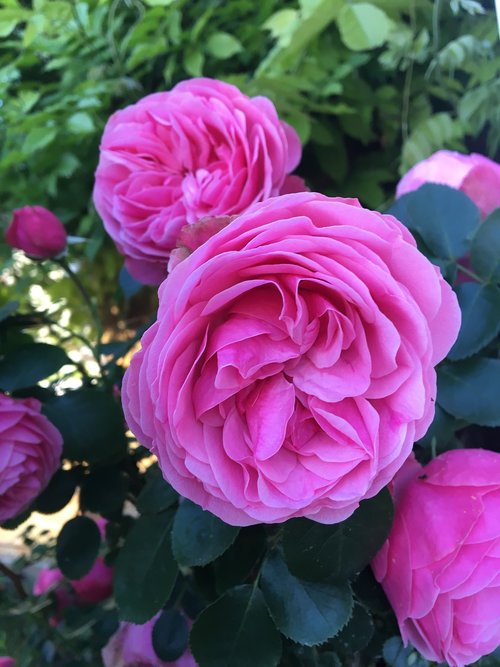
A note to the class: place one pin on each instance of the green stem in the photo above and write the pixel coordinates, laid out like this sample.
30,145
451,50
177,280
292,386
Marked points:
86,297
16,580
469,273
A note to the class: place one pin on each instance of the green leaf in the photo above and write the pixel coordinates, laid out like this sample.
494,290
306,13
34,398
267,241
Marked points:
443,217
145,570
170,635
81,123
198,537
222,45
480,306
357,633
38,138
28,364
318,552
396,655
314,17
159,3
8,309
236,631
58,493
241,559
280,23
10,17
157,495
193,61
104,491
485,248
470,389
363,26
77,547
91,423
429,135
441,430
308,613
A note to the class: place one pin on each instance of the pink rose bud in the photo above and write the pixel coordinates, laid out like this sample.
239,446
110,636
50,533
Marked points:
37,231
96,585
7,662
475,175
201,149
291,366
30,449
440,567
132,645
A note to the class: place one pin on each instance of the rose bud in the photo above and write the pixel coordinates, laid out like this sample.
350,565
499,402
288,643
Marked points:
440,567
37,231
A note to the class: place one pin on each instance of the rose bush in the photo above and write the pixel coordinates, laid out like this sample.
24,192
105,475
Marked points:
440,567
30,449
203,148
132,645
475,175
37,231
291,366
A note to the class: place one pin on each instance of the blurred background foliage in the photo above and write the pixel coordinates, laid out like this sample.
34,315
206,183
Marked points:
371,87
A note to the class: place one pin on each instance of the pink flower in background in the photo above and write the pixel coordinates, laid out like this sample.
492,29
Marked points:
132,645
37,231
48,579
291,367
7,662
193,236
201,149
96,585
51,580
440,567
30,449
475,175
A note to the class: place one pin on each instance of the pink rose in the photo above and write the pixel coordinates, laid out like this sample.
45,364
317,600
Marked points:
96,585
132,645
440,567
193,236
291,367
30,449
202,149
51,580
48,579
7,662
37,231
475,175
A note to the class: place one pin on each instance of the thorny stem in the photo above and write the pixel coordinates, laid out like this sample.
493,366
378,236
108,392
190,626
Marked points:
16,580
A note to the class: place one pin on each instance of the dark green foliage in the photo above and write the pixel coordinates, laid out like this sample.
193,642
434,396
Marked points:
77,547
236,631
145,569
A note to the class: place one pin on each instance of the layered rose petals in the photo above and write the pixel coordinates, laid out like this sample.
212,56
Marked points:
440,567
201,149
291,366
30,448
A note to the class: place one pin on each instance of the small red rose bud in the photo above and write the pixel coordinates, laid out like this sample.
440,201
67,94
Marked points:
36,231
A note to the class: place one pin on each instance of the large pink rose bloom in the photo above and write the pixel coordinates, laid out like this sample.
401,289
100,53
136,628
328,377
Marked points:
475,175
440,567
132,645
30,449
291,367
203,148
